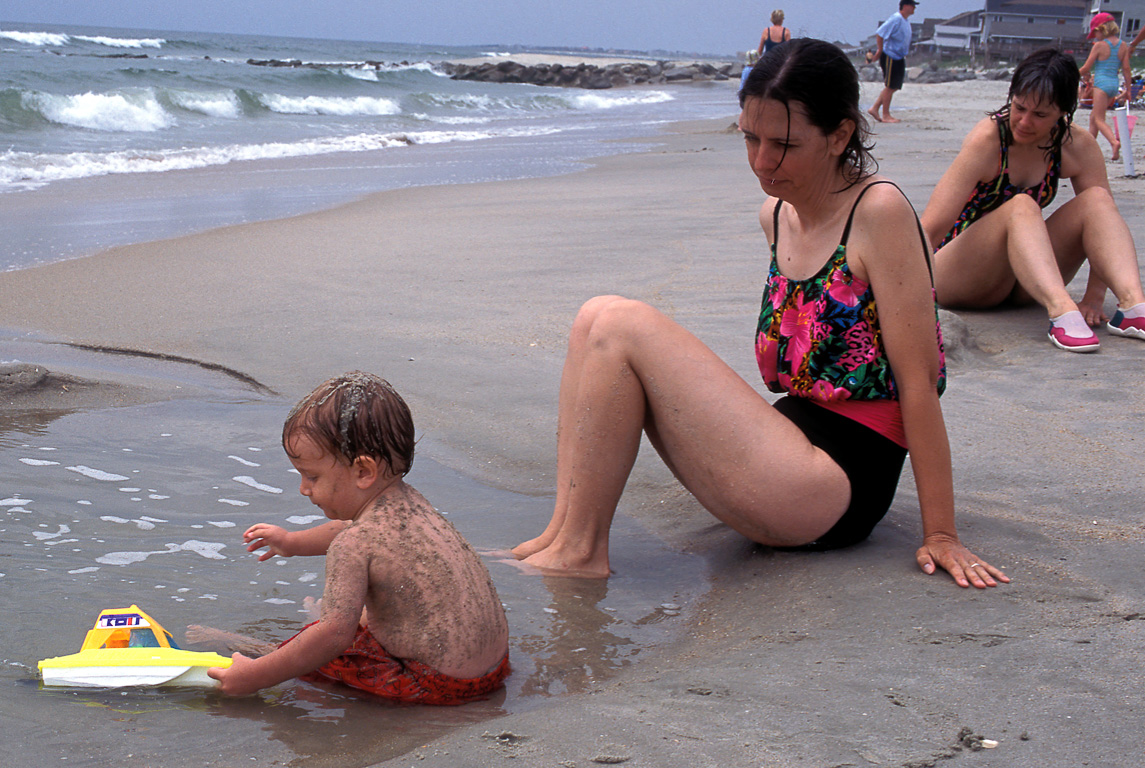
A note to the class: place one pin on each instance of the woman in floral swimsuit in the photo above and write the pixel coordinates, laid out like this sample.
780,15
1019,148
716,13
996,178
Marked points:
820,468
995,247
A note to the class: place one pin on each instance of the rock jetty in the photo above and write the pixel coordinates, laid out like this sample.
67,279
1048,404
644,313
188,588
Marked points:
586,75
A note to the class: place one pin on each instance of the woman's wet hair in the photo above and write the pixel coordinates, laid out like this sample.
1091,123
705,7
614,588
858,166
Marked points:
1047,76
356,414
819,77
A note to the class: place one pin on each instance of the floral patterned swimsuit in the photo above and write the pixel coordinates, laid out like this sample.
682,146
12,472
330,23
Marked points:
989,195
820,338
819,341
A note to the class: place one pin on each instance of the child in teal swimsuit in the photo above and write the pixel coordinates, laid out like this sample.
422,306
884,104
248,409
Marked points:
1105,75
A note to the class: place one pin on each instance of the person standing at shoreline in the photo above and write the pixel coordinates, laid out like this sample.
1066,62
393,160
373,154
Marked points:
773,35
893,45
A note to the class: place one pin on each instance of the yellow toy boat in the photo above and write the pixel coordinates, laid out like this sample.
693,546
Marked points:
129,648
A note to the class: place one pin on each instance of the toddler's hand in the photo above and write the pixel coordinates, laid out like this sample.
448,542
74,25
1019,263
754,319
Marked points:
272,537
231,682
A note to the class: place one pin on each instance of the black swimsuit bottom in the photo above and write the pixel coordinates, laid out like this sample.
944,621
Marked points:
872,463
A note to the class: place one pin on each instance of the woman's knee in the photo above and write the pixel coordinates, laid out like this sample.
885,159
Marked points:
1021,208
1096,199
589,312
622,318
609,318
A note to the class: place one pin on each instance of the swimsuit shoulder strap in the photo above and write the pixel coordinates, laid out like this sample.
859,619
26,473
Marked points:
775,224
1004,161
855,205
921,234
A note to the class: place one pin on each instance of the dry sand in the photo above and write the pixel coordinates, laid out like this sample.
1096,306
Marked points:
462,297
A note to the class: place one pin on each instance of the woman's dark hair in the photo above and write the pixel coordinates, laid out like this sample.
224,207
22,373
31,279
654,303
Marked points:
819,77
1050,77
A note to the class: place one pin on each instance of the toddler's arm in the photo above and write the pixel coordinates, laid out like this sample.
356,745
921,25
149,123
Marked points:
313,647
347,584
284,543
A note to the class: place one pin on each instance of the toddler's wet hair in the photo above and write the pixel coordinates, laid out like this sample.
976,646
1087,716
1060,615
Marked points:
355,414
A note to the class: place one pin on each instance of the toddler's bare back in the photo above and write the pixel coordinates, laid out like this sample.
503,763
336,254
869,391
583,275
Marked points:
429,597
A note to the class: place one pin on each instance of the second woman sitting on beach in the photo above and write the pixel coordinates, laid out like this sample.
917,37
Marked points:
994,247
820,468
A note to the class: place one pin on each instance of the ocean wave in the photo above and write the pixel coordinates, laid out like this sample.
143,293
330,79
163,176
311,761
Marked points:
444,137
223,104
127,111
25,170
477,102
60,38
454,120
35,38
329,105
610,101
29,170
369,75
121,42
539,101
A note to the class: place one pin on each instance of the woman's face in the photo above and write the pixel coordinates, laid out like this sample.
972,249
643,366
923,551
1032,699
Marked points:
785,150
1032,119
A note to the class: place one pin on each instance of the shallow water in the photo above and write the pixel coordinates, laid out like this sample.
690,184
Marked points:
146,504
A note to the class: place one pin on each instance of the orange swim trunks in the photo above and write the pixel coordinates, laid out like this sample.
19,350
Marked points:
367,666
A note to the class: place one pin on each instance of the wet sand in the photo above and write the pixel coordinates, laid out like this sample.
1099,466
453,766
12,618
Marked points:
462,296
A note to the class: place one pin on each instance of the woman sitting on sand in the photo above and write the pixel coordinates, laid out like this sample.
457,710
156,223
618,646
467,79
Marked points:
994,247
819,468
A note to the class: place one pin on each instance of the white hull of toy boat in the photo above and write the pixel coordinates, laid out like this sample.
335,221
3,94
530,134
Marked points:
124,677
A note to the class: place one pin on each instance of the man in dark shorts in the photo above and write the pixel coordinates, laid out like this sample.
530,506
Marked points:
893,46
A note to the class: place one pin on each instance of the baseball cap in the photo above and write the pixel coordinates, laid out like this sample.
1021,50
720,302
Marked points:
1097,21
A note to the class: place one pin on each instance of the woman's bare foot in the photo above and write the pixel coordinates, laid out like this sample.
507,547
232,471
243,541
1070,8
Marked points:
1094,313
555,563
1116,150
531,547
221,640
874,113
889,119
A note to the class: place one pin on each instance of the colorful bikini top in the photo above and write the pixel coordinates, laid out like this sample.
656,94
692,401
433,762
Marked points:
819,338
988,195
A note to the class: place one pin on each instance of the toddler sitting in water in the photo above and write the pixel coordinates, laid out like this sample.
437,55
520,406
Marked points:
409,611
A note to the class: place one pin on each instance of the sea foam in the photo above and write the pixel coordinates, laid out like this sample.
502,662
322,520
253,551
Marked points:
26,169
35,38
329,105
250,481
600,101
122,42
224,104
122,111
97,474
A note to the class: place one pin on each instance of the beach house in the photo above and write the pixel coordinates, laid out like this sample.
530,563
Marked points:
1129,13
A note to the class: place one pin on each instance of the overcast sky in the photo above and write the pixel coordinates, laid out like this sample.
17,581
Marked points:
701,26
